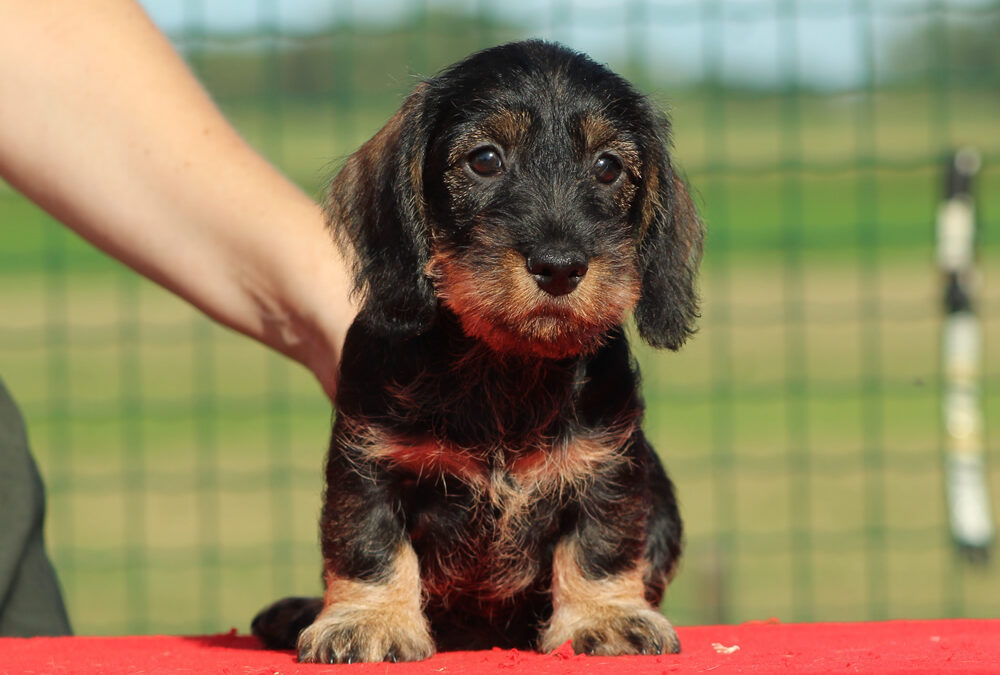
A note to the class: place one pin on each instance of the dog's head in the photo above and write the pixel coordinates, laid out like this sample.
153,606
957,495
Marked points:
529,191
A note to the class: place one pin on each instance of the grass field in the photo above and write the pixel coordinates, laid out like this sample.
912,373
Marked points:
801,424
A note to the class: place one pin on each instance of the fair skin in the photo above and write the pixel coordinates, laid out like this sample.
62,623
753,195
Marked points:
103,126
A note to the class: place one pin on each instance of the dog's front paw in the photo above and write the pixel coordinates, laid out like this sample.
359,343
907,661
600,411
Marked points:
612,632
354,636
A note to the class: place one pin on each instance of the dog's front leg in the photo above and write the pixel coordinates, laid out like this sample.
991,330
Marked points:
372,605
605,576
603,614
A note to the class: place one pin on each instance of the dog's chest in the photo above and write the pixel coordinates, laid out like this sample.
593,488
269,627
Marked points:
491,458
486,539
484,526
501,476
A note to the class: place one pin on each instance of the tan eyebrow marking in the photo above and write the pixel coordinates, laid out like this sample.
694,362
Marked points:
505,127
600,133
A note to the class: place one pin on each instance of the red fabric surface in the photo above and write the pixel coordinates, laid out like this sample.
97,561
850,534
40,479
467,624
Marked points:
961,646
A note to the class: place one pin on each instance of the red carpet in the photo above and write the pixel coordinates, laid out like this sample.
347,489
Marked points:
959,646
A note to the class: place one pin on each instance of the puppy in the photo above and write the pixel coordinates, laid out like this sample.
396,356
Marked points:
488,483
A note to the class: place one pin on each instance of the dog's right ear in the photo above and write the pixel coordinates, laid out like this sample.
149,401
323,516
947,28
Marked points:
375,208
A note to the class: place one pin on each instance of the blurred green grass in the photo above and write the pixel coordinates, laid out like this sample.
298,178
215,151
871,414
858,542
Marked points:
801,424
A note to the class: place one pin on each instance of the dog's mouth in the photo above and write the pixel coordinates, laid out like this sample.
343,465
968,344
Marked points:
561,308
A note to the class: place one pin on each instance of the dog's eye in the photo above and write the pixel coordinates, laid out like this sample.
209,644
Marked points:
485,161
606,169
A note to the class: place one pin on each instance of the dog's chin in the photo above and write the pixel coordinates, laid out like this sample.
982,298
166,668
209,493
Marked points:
539,337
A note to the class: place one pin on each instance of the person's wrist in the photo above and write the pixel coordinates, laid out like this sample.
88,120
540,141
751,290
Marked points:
317,311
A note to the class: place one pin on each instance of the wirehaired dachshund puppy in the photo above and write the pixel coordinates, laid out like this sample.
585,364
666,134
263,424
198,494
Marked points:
488,483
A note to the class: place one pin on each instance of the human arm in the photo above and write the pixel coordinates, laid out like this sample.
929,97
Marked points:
103,125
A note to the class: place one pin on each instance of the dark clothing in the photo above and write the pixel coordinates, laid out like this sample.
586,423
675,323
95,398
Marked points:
30,601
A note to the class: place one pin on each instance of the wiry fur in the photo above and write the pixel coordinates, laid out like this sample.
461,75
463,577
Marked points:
487,464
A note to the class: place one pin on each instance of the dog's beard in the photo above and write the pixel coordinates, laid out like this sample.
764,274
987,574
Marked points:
546,337
499,303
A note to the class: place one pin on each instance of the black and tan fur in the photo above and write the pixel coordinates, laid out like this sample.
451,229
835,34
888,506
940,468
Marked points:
488,483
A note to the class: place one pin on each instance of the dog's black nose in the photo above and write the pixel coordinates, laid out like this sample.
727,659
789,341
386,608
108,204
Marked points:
557,271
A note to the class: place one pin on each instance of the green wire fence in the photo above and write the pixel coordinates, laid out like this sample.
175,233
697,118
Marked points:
802,424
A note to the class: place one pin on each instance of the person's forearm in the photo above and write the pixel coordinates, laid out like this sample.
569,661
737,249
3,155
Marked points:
102,124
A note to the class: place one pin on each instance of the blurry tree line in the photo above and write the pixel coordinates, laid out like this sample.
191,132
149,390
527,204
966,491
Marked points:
352,62
964,51
343,62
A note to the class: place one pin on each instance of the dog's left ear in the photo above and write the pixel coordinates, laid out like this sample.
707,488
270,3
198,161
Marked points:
375,207
670,244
